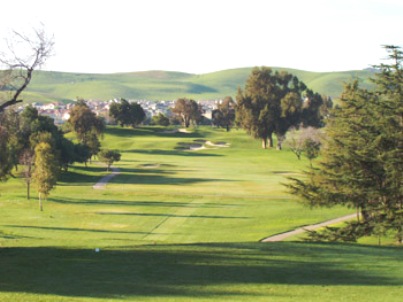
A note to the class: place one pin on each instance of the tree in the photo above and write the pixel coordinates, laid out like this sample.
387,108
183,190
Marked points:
109,157
188,111
314,109
32,124
11,122
271,103
24,55
126,113
304,140
311,149
27,155
137,113
27,159
224,115
88,127
45,174
362,165
67,153
81,153
160,120
84,122
5,154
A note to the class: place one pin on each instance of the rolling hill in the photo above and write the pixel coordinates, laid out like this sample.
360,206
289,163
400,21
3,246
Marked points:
165,85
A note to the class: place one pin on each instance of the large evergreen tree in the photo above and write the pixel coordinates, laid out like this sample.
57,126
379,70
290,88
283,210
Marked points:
272,102
362,164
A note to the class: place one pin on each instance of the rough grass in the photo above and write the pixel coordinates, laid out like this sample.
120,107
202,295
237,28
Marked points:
180,225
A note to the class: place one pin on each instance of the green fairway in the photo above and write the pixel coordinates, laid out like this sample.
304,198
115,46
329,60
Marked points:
178,225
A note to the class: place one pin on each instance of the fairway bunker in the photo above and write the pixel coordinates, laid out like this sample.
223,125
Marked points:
200,144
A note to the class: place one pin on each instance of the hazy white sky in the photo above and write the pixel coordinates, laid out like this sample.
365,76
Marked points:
200,36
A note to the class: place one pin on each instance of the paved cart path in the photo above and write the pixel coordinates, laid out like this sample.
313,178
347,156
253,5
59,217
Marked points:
104,180
282,236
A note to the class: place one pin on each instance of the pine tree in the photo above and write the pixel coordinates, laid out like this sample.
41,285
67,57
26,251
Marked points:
362,158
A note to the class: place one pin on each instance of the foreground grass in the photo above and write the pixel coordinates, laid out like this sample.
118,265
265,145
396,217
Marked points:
180,225
202,272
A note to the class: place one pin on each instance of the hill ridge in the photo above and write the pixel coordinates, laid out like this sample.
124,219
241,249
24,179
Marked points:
49,86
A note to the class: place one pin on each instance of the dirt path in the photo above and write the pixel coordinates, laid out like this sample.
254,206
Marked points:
282,236
104,180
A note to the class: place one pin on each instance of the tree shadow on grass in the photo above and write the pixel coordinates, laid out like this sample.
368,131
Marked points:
196,270
180,150
150,179
71,178
145,176
64,229
172,215
151,131
129,203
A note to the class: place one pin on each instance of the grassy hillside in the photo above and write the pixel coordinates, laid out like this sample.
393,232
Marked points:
165,85
181,225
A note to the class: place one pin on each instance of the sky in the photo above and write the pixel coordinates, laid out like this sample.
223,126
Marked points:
202,36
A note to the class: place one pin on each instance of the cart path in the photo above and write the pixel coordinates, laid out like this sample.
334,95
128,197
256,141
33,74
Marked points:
282,236
104,180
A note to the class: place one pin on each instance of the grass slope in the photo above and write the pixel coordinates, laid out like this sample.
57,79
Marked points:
164,85
180,225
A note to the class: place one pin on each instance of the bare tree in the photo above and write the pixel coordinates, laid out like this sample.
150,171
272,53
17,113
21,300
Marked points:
304,140
24,54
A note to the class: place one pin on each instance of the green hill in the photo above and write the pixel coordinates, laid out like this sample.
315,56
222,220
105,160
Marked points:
165,85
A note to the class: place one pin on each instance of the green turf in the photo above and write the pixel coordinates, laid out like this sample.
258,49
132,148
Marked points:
180,225
203,272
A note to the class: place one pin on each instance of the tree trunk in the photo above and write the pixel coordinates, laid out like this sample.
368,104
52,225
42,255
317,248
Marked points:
28,190
365,215
279,145
40,202
271,143
399,235
264,143
358,213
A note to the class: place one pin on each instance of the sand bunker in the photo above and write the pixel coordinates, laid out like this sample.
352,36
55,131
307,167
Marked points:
218,144
149,166
203,144
197,147
182,130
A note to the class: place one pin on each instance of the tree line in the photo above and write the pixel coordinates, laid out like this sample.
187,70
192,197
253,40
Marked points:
35,148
